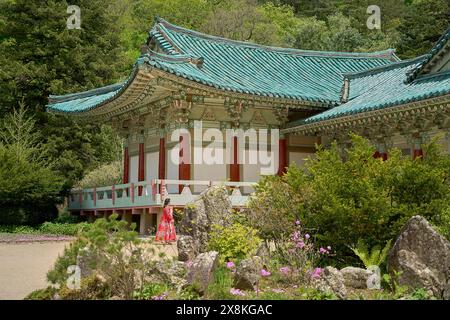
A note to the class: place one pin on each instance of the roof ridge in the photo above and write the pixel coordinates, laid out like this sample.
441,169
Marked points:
85,94
394,65
384,54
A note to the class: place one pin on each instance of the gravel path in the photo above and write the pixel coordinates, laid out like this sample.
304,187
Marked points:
23,266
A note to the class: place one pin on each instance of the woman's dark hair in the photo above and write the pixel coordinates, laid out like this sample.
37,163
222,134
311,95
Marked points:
166,202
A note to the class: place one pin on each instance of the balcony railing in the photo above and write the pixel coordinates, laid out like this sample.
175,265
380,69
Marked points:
152,193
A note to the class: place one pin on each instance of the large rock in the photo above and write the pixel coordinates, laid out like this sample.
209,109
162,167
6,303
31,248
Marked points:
169,272
355,277
213,206
202,270
248,273
186,248
422,256
331,281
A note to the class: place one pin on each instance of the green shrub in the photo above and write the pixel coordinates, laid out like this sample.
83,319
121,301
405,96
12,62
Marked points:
219,288
347,195
58,274
150,290
105,175
374,257
91,288
68,229
234,242
42,294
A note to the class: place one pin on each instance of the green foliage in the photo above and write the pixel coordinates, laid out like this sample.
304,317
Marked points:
105,175
150,290
117,255
69,229
219,288
234,242
29,187
58,274
91,288
374,257
347,195
391,283
42,294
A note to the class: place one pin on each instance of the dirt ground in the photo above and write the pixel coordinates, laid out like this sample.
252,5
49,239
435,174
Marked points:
23,266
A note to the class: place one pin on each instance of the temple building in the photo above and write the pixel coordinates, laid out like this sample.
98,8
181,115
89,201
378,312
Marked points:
184,78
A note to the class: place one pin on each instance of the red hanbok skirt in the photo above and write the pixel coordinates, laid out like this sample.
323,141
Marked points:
166,228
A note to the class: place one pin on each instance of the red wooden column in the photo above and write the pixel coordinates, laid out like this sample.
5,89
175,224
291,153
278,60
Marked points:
282,157
184,167
234,166
417,151
141,166
162,161
126,166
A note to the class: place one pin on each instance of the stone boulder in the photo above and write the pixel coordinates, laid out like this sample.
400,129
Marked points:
248,273
186,248
331,280
202,270
355,277
422,256
213,206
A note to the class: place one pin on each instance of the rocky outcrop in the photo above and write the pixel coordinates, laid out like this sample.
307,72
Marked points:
186,248
202,270
422,256
86,261
212,207
331,281
355,277
248,273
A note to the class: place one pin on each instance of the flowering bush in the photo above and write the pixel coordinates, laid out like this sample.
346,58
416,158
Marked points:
299,256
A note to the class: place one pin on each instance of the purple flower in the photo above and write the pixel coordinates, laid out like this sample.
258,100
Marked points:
285,270
265,273
297,222
161,297
230,265
307,236
295,235
316,273
189,264
237,292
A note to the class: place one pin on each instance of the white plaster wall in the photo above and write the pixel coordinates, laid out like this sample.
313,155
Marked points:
151,165
134,167
171,171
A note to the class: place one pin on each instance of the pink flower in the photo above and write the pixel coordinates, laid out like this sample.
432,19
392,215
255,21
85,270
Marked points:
265,273
189,264
285,270
295,235
323,250
307,236
300,244
278,290
230,265
297,222
237,292
316,273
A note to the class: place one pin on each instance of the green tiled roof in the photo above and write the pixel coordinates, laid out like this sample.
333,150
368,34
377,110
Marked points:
242,67
386,87
436,48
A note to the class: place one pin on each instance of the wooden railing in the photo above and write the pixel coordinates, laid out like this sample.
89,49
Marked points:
152,193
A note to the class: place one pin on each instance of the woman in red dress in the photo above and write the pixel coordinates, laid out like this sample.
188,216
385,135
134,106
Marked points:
166,228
